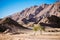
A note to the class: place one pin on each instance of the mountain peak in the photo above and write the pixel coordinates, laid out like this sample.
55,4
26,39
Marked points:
36,13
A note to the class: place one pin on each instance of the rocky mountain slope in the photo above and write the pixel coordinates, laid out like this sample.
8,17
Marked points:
36,14
9,25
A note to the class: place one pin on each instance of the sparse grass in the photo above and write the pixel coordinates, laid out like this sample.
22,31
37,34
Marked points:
38,27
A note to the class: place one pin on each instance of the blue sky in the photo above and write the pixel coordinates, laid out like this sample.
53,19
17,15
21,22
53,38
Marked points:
8,7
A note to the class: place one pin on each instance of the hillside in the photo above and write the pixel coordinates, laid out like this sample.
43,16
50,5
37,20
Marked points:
9,25
36,14
20,26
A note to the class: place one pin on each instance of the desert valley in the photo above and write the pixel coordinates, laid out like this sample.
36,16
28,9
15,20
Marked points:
39,22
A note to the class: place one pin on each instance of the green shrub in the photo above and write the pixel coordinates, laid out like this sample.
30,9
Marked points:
38,27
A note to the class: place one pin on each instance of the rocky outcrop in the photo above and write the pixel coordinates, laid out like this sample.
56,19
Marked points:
53,21
9,25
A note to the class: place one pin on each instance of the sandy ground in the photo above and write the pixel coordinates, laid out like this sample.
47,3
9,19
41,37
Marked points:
31,36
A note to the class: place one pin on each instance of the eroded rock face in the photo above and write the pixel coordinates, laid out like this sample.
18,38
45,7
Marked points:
2,28
11,25
53,21
37,14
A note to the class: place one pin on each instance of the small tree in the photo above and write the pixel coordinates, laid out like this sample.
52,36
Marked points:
35,28
41,28
38,27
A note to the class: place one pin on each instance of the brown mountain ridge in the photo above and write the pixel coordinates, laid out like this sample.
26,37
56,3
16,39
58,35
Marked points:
36,14
9,25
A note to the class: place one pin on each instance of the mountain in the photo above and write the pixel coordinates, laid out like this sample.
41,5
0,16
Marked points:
9,25
36,14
